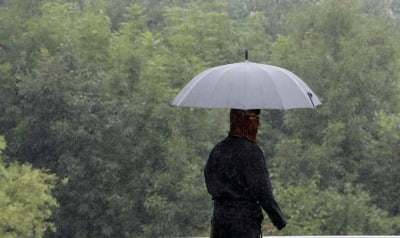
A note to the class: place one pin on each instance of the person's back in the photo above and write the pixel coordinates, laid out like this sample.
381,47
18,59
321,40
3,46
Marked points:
237,178
225,177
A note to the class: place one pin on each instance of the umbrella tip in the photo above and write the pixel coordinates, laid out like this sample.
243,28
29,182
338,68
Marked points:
246,54
310,96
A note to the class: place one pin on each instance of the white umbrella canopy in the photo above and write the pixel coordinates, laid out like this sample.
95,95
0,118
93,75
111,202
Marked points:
247,85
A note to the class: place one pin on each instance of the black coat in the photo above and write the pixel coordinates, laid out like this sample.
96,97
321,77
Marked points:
238,181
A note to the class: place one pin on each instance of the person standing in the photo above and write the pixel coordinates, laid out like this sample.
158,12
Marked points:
237,178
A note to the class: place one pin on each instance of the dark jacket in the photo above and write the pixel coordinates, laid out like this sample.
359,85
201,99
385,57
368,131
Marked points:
237,178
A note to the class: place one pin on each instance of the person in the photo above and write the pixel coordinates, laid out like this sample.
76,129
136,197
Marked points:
237,178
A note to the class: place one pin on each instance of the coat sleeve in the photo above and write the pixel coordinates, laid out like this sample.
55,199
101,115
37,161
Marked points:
257,178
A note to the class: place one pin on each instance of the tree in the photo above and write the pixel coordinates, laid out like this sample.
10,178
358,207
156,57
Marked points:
85,88
61,130
353,82
382,162
312,211
26,201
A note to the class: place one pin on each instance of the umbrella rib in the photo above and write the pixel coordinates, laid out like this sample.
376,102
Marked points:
279,96
193,85
238,86
299,87
223,72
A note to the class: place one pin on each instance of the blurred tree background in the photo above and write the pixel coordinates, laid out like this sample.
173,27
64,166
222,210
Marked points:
85,91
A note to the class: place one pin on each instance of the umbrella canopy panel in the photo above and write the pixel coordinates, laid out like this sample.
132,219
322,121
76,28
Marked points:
247,85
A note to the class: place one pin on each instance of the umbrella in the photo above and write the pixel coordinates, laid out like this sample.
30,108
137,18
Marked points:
247,85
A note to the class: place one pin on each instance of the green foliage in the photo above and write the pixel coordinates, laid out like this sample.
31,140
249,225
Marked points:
26,201
85,88
350,59
317,212
382,163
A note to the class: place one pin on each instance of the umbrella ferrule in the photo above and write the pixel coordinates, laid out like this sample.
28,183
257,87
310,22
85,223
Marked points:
310,96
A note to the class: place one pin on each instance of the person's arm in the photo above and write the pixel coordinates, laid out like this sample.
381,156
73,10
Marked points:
257,177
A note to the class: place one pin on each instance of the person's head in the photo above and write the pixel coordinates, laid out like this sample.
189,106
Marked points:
244,123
